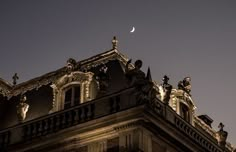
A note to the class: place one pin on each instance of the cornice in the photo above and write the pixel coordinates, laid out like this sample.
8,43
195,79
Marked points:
6,89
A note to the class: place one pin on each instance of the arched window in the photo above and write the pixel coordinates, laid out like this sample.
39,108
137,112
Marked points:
184,112
73,89
71,96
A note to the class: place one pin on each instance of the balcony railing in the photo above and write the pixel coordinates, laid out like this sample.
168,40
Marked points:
124,99
57,121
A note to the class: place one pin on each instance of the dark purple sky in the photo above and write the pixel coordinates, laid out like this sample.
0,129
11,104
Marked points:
177,38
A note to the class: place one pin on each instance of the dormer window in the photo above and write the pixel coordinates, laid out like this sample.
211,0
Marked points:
182,103
72,96
72,89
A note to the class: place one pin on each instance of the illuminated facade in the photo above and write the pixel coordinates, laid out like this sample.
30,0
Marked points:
104,104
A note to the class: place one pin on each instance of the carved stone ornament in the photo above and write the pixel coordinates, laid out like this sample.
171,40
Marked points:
185,85
145,89
73,77
15,78
103,79
114,42
221,135
146,93
22,108
71,65
6,89
165,90
84,80
135,76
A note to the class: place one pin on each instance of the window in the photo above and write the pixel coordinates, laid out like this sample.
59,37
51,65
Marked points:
184,112
72,96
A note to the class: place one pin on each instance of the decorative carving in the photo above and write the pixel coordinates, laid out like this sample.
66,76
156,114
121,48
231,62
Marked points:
146,93
4,91
103,78
145,89
144,85
75,76
156,106
84,80
46,79
135,76
22,108
221,135
15,78
185,85
71,65
165,90
114,43
129,125
55,92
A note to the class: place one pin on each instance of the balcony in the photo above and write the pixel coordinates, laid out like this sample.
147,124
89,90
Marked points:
57,121
106,105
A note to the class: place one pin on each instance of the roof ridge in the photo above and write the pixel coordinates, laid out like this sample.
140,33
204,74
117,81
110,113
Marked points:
50,76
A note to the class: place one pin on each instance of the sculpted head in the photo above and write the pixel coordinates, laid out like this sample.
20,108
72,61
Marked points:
165,79
71,64
138,64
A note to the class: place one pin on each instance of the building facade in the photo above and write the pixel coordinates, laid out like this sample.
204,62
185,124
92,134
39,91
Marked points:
104,104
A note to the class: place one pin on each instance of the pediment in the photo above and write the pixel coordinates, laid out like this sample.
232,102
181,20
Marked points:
76,76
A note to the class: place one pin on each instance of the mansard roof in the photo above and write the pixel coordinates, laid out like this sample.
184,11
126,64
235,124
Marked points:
6,89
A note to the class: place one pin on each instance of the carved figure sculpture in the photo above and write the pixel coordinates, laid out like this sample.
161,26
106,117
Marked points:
146,93
135,76
185,84
165,90
103,78
22,108
221,135
71,65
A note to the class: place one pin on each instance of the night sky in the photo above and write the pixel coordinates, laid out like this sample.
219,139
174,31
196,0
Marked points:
176,38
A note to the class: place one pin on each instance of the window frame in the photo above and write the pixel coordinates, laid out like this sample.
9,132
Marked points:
73,102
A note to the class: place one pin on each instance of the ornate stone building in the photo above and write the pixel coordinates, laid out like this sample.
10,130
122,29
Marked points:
104,104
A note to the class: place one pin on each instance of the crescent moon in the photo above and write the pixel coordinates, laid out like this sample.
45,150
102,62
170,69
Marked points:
133,29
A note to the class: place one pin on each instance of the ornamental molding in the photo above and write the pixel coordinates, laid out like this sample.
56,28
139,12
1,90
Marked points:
186,98
84,80
129,125
8,90
205,127
73,77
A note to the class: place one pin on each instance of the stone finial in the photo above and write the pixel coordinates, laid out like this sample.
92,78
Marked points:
221,135
15,78
114,43
149,76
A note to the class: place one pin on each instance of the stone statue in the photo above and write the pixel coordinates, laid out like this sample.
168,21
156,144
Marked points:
221,135
103,78
71,65
22,108
135,76
185,85
146,93
165,90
